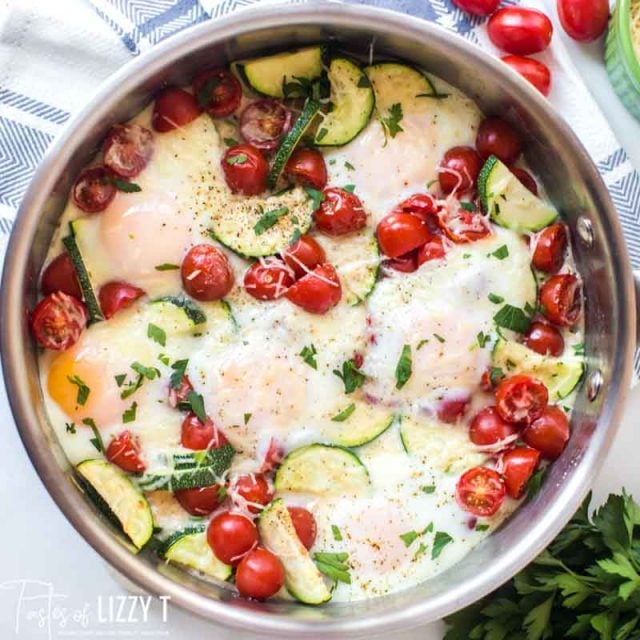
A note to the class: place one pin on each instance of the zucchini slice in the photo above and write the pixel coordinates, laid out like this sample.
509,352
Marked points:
176,314
359,423
352,103
322,469
303,580
509,203
560,375
127,504
189,548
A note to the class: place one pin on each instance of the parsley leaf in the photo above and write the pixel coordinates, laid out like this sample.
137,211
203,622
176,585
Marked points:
421,344
120,378
337,535
166,266
348,165
83,389
344,414
439,338
124,185
467,206
157,334
130,414
428,488
440,541
205,92
308,354
246,418
96,441
391,123
514,318
404,367
316,196
496,374
70,427
179,369
350,375
578,349
239,158
481,527
483,339
269,219
230,142
349,187
501,252
409,537
496,299
197,405
334,566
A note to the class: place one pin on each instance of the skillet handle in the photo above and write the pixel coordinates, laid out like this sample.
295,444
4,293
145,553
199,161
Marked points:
636,279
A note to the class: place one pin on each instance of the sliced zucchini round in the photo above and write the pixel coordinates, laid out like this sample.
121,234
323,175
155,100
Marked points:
358,424
189,547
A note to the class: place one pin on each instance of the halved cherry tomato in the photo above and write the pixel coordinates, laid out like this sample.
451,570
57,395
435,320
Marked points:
463,226
451,410
255,489
173,108
198,435
245,169
561,298
421,205
520,31
127,149
201,501
269,280
433,249
60,275
498,138
526,179
260,574
406,263
478,7
273,457
480,491
307,167
124,451
584,20
400,233
231,536
488,427
114,296
340,212
264,122
544,339
218,92
318,291
57,321
550,248
94,189
179,398
206,273
459,169
521,399
536,72
548,434
518,466
303,255
305,525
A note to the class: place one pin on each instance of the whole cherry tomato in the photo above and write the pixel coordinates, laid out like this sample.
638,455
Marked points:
584,20
452,409
197,435
255,489
480,491
536,72
173,108
488,427
231,536
521,399
218,92
461,225
269,280
245,169
560,297
264,122
478,7
317,291
544,339
114,296
57,321
400,233
305,525
127,149
421,205
304,255
340,212
201,501
548,434
124,451
518,466
60,275
260,574
179,398
206,273
459,169
307,167
520,31
550,247
94,189
498,138
526,179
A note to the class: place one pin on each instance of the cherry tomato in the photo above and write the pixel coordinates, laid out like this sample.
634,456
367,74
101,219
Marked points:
340,212
463,226
307,167
264,122
206,273
477,7
57,321
303,255
218,92
173,108
421,205
94,189
114,296
520,31
488,427
318,291
305,525
60,275
260,574
201,501
179,398
255,489
526,179
198,435
518,466
550,248
124,451
498,138
127,149
273,457
544,339
584,20
400,233
433,249
231,536
451,410
245,169
548,434
560,298
536,72
521,399
480,491
268,281
459,169
406,263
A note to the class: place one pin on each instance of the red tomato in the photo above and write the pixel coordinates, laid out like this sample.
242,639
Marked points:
451,410
206,273
307,167
498,138
550,247
260,574
340,212
127,149
303,255
218,92
536,72
459,169
273,457
305,525
173,108
584,20
488,427
57,321
179,398
318,291
201,501
255,489
124,451
520,31
544,339
526,179
406,263
94,189
245,169
268,280
548,434
521,399
264,122
477,7
421,205
198,435
114,296
400,233
60,275
463,226
434,249
560,298
480,491
518,466
231,536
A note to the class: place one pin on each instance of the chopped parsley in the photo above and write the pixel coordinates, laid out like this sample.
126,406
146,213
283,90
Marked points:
422,343
246,418
467,206
96,441
148,373
440,541
391,123
269,219
439,338
83,389
308,354
157,334
316,196
164,359
483,339
130,414
120,378
578,349
422,547
496,374
337,535
428,488
348,165
501,252
514,318
344,414
239,158
124,185
411,536
179,368
196,401
205,92
404,367
349,187
70,427
166,266
482,527
350,375
496,299
230,142
334,566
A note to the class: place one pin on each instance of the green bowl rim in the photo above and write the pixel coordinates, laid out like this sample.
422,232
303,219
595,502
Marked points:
622,19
